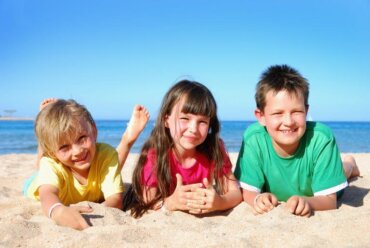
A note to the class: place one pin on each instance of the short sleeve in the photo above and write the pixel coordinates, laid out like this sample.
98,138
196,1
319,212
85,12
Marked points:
248,168
328,175
47,175
111,181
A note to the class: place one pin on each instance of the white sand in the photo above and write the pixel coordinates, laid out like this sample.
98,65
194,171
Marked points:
22,223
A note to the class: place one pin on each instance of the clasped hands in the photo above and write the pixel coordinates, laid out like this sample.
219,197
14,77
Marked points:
195,198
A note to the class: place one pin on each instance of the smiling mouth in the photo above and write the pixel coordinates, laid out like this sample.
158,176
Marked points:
288,131
81,159
192,138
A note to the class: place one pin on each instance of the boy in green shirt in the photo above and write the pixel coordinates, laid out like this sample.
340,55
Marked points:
287,157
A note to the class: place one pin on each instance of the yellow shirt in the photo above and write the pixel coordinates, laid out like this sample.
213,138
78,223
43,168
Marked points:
104,178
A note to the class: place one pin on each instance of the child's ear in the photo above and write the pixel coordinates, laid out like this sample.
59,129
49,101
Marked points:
166,121
260,117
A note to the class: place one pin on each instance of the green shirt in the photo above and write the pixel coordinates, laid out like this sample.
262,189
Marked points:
315,168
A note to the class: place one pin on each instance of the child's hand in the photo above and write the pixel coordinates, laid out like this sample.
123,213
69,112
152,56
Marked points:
299,206
264,203
204,200
71,216
179,199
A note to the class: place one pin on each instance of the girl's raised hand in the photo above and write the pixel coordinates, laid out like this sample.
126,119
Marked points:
179,199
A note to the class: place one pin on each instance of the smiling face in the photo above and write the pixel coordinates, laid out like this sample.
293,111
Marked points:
187,130
284,117
77,151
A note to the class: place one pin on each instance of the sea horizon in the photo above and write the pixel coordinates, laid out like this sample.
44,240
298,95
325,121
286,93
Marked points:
17,136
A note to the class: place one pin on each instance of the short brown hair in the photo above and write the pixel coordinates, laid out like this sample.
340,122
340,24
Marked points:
59,121
278,78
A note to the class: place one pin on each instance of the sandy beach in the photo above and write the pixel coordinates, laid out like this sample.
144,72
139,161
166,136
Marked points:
22,223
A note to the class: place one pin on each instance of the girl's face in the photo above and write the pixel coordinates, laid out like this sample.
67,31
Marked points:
187,130
284,117
78,152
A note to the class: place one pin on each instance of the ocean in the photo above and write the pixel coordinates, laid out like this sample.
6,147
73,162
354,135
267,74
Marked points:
18,136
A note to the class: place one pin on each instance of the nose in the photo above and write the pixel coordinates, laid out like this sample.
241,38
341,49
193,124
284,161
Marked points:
193,126
288,120
76,149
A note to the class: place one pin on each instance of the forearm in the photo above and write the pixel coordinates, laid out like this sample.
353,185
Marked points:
114,201
233,195
326,202
249,196
230,199
48,198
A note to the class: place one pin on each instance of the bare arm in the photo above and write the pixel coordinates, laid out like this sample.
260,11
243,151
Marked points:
207,200
325,202
232,197
249,196
62,215
114,201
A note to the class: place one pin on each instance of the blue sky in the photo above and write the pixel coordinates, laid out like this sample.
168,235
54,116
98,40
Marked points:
110,55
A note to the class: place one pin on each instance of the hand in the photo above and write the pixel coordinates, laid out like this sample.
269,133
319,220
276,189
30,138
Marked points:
178,200
264,203
204,200
71,216
299,206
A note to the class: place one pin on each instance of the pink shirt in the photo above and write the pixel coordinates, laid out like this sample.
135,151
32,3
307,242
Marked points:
194,174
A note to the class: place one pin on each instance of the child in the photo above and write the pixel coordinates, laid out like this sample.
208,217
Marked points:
74,167
284,155
137,123
182,158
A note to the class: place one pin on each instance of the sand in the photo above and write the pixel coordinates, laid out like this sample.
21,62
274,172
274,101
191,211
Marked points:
22,223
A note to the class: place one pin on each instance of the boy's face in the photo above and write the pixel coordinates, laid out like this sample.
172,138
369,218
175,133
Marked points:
284,117
78,151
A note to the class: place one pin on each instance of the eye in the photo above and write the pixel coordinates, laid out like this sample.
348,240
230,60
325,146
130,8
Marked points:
82,139
63,148
298,112
184,117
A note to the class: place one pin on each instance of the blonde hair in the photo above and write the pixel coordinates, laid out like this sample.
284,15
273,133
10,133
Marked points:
59,122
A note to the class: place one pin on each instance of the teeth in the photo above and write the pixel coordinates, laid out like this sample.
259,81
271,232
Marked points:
288,131
81,159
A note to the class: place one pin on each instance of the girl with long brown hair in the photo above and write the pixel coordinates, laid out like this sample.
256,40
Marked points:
183,165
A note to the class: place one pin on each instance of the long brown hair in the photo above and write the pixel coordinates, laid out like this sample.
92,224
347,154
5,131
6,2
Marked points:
198,100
